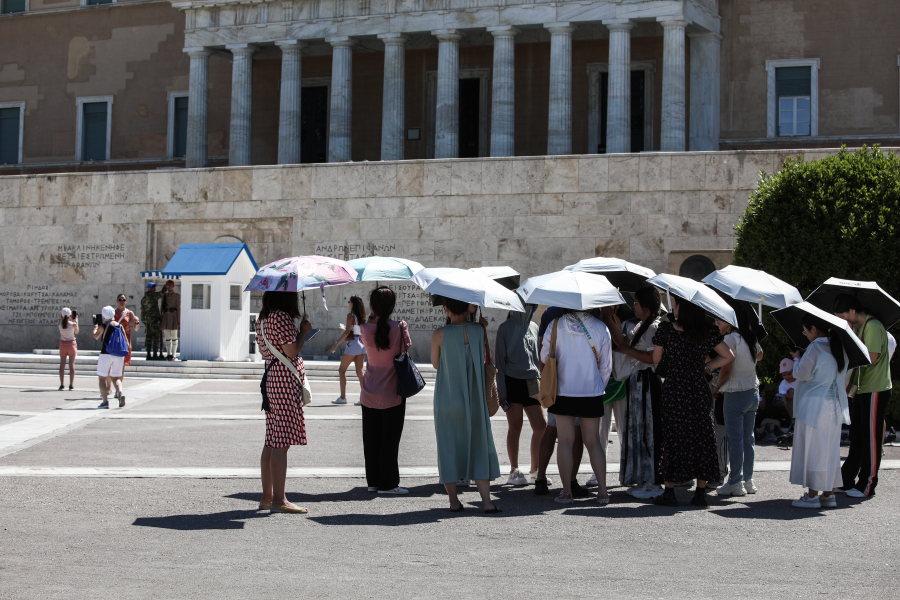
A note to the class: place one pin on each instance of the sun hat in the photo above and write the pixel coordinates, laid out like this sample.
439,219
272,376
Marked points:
108,313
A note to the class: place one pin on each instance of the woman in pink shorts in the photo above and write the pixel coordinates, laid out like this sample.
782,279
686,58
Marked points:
68,329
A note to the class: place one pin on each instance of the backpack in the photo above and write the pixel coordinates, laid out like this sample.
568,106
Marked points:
117,344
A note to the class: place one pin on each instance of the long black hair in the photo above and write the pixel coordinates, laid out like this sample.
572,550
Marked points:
358,310
834,337
456,307
284,301
745,328
692,320
649,298
382,302
64,323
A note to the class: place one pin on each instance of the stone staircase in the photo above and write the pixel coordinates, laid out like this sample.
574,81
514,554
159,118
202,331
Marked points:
46,362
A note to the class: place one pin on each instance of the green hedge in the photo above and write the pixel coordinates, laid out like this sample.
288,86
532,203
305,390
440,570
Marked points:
834,217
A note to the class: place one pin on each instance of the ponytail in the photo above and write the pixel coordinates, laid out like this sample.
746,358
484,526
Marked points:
650,299
834,337
64,323
382,302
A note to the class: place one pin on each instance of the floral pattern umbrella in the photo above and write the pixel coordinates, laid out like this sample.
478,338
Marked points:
301,273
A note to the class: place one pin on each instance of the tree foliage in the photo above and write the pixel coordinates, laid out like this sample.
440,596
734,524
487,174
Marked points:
834,217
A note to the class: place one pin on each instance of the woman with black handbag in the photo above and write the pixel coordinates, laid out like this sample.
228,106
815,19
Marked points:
383,409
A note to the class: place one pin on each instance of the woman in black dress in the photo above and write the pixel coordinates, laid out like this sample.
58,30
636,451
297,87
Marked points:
689,434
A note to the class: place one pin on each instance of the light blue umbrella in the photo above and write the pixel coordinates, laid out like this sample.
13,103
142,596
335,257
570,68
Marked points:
384,268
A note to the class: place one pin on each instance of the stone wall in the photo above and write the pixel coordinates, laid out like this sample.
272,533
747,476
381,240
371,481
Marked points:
78,240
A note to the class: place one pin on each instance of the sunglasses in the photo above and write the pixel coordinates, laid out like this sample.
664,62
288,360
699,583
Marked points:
122,299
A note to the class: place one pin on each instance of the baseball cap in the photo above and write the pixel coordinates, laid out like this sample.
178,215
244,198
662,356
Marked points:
786,366
67,312
151,284
108,313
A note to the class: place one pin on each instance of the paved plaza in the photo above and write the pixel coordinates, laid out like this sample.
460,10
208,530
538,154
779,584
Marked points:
157,500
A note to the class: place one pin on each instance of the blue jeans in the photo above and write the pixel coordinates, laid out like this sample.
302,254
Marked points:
740,418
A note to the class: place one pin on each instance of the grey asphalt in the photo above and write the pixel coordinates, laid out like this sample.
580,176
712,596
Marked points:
124,538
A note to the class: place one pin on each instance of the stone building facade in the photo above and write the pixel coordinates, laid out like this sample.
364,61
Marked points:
217,82
78,240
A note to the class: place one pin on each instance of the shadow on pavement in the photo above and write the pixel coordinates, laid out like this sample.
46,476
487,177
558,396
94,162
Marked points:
231,519
355,494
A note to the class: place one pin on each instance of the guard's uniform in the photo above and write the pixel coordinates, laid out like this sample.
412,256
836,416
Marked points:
151,319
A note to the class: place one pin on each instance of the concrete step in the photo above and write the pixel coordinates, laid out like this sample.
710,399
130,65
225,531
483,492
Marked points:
45,362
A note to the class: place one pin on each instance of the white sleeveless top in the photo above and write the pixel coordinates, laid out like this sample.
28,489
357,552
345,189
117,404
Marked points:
357,330
67,334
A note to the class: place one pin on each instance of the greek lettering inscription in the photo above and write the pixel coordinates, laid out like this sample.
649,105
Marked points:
354,250
35,305
88,256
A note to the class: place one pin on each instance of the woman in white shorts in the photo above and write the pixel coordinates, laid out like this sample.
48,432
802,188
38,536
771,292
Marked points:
354,351
109,367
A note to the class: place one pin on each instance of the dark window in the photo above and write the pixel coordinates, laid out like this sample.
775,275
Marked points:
93,131
696,267
179,144
793,89
92,2
9,136
637,110
314,125
12,6
469,108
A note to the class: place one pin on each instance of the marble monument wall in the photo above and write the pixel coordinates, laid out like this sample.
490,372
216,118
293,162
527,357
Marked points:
79,239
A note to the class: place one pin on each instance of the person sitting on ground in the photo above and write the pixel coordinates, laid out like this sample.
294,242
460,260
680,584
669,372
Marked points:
786,387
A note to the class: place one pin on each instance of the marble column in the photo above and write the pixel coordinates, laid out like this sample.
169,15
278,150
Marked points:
198,96
341,99
241,95
705,91
673,136
503,96
289,109
393,116
559,133
618,106
446,130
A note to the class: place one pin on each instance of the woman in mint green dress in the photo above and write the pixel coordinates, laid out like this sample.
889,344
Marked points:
465,442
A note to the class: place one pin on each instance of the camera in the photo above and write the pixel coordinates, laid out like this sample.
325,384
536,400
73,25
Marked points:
98,319
74,314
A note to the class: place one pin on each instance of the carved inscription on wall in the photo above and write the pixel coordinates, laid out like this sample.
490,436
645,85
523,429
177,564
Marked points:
34,305
354,250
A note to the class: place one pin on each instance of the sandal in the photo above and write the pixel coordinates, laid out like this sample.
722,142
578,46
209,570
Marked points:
493,511
264,506
284,508
602,499
460,509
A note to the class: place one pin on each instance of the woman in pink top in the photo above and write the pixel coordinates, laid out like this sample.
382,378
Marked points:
383,410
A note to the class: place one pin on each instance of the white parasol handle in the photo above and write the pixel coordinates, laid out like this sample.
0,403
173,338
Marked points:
760,311
325,304
669,298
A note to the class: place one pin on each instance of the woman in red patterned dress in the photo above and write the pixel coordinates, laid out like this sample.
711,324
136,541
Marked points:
284,419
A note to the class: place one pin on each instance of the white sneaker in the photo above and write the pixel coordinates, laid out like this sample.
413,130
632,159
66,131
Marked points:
806,502
339,401
357,403
591,482
516,478
750,487
464,482
731,489
650,491
828,501
397,491
855,493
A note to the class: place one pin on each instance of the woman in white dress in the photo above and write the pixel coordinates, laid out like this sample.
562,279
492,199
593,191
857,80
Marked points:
820,408
355,352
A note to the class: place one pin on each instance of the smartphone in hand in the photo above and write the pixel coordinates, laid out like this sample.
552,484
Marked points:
313,333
